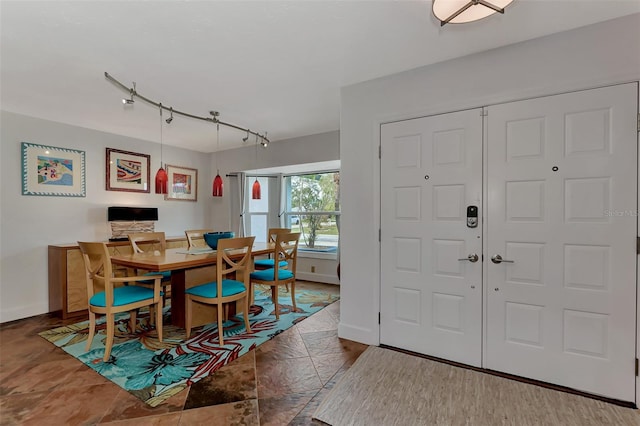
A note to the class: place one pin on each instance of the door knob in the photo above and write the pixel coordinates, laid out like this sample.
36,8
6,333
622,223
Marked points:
473,258
496,258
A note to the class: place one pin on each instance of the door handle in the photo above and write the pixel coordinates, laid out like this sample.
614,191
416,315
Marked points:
473,258
496,258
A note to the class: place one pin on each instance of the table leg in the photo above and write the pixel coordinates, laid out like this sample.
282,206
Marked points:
177,297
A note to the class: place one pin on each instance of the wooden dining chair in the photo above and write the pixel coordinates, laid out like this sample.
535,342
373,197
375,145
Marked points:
195,237
259,264
227,287
108,295
150,242
286,249
271,238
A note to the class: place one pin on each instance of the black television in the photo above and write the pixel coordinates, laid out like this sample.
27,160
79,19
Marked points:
132,213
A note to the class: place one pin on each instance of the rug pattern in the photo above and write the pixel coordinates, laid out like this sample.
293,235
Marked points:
154,371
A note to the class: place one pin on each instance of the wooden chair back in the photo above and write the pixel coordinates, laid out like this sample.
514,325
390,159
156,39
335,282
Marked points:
195,237
274,232
225,265
145,242
286,248
97,262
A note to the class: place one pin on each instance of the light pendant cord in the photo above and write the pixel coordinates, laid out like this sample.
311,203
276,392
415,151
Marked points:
161,143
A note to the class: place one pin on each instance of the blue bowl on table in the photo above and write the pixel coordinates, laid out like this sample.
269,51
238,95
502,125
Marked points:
211,238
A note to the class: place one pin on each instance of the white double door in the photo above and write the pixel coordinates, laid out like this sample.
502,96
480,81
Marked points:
554,180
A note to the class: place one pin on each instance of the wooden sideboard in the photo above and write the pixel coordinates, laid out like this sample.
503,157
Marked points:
67,279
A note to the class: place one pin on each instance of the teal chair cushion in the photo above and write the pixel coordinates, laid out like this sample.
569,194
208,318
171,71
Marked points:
166,276
269,275
123,296
229,288
268,263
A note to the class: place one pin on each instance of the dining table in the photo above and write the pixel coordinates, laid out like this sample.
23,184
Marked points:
179,261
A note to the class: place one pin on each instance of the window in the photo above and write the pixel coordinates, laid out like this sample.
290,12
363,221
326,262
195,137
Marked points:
312,207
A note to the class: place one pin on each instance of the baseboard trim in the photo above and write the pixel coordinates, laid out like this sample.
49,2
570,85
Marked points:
319,278
357,334
22,312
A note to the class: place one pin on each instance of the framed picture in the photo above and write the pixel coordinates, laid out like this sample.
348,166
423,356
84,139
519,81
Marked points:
53,171
183,183
127,171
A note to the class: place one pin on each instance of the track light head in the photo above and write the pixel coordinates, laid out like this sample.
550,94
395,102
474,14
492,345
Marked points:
246,138
169,120
130,101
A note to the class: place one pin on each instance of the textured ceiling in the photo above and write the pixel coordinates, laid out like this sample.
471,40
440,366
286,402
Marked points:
271,66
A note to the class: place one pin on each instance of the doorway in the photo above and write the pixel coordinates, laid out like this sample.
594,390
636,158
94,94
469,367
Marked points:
508,238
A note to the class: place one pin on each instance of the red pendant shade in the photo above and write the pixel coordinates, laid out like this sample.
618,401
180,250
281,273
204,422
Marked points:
217,186
255,190
162,181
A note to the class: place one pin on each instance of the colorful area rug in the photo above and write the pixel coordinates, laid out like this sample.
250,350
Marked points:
154,371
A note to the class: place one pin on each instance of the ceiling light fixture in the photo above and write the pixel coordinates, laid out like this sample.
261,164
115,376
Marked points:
162,179
132,91
246,138
134,94
217,181
463,11
264,142
170,119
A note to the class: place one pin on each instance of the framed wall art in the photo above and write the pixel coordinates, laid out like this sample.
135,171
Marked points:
183,183
127,171
52,171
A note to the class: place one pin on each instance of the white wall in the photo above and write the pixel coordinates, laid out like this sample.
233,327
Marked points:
596,55
30,223
303,150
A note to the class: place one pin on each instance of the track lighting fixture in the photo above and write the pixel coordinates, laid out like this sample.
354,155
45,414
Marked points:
214,119
132,91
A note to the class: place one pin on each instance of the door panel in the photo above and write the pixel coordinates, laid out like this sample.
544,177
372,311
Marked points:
562,200
431,170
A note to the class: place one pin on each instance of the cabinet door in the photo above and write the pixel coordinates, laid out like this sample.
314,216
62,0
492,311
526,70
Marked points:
76,283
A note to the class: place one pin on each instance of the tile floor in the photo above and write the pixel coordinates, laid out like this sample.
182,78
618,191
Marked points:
280,383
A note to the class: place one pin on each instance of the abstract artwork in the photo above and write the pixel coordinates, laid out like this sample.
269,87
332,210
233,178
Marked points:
52,171
127,171
183,183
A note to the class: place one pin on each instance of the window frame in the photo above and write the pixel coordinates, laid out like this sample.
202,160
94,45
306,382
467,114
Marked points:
287,214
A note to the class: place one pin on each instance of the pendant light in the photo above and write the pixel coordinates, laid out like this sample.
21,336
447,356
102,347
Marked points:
162,179
255,189
217,181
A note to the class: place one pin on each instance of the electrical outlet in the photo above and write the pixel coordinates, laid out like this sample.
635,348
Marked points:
313,269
